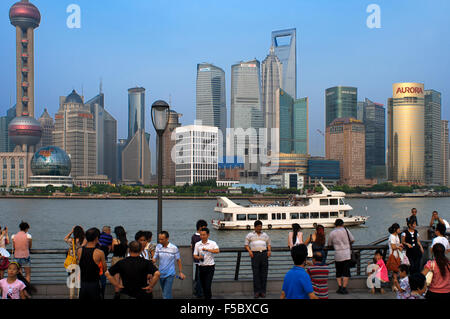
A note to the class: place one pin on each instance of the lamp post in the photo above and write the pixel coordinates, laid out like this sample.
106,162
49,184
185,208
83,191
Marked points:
160,119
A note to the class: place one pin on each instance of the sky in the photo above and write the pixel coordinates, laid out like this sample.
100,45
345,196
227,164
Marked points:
157,44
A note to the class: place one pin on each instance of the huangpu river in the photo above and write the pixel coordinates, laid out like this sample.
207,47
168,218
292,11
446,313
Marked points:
52,219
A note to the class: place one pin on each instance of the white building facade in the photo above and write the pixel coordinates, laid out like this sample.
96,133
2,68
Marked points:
196,154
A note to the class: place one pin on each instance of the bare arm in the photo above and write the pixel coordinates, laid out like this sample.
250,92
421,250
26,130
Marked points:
283,295
30,243
113,281
153,282
249,251
180,268
312,295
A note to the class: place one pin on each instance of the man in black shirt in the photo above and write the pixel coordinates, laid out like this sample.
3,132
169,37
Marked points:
138,274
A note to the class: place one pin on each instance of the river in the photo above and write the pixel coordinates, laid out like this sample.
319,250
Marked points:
52,219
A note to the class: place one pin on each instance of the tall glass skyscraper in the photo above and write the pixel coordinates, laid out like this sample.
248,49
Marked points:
136,111
284,43
433,162
374,117
406,129
272,79
293,124
341,102
211,98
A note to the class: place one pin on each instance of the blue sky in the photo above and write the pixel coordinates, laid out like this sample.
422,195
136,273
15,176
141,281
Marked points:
157,44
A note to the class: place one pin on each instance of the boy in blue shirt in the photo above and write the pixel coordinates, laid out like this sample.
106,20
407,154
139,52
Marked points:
297,283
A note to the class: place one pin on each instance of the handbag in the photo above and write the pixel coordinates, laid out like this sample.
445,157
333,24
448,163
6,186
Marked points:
403,258
353,255
71,259
393,263
310,250
429,275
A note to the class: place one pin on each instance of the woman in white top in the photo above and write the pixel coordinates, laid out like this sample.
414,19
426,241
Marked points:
295,236
395,245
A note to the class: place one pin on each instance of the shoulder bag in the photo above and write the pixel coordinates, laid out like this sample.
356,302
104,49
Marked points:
353,255
71,258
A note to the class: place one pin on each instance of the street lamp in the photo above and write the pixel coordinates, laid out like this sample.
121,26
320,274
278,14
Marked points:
160,119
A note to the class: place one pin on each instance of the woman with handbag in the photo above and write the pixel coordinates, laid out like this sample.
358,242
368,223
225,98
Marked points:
4,241
437,272
395,249
75,240
414,249
317,242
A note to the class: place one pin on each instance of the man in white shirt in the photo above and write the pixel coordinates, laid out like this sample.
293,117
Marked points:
440,237
204,251
259,248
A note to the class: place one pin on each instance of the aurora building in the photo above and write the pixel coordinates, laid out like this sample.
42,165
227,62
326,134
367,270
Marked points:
406,129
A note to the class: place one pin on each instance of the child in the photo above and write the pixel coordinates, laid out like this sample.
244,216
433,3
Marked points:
417,283
319,276
381,270
12,287
402,287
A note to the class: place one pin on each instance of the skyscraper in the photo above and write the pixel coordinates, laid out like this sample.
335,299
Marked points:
272,79
444,153
292,120
374,118
106,136
341,102
433,161
5,144
136,156
406,129
246,113
345,142
136,111
168,169
211,98
284,43
48,126
75,133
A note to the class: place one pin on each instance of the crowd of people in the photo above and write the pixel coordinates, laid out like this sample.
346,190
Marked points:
136,267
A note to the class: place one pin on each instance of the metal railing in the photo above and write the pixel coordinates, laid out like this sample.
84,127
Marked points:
47,266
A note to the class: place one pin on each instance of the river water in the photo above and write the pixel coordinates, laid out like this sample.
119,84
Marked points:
52,219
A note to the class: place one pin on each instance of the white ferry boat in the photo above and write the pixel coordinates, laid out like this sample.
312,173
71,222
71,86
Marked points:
307,211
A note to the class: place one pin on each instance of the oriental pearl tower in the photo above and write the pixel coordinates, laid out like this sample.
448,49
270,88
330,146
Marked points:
25,131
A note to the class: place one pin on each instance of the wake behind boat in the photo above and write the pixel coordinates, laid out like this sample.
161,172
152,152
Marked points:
307,211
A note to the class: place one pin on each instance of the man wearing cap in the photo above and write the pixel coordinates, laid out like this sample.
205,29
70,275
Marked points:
259,248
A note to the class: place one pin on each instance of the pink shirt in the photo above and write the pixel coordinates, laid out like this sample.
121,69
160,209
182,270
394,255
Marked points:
21,245
382,272
439,284
11,291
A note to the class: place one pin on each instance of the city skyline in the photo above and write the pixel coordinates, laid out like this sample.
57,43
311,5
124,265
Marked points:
317,60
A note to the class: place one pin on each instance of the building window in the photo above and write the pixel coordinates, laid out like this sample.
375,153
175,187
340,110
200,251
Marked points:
13,163
21,163
5,164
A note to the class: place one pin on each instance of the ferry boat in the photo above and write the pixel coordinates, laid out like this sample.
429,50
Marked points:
306,210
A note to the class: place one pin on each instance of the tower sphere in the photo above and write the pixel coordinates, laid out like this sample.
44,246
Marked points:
51,161
25,15
25,130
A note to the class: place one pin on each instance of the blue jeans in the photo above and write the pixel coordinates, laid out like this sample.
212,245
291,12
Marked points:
166,286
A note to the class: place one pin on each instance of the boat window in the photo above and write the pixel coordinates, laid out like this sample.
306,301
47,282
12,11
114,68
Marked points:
341,201
274,216
294,215
333,201
262,216
284,216
324,215
278,215
241,217
252,217
324,202
345,213
304,215
314,215
333,214
228,217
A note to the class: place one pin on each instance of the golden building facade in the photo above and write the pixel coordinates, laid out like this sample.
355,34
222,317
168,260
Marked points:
406,129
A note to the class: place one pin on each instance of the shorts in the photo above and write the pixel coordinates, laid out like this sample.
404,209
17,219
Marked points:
343,269
24,262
